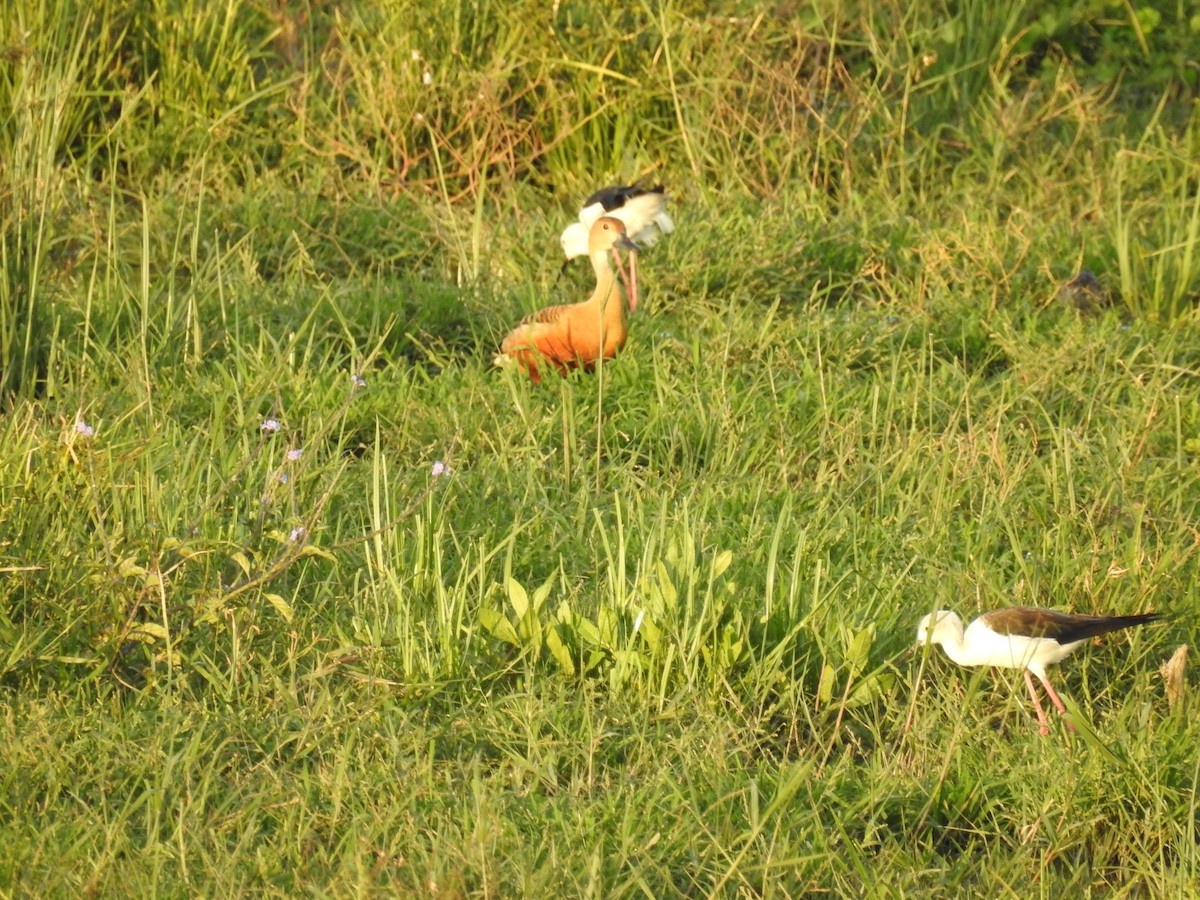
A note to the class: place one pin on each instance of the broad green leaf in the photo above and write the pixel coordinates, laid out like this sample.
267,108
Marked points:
530,631
859,651
148,633
517,598
314,550
559,650
543,591
498,626
721,563
281,606
606,623
242,560
587,631
667,593
650,632
825,684
731,646
870,688
594,658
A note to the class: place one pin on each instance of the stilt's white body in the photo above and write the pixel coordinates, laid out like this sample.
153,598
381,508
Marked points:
979,645
644,215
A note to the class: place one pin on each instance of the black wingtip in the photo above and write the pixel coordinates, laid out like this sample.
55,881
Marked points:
1105,624
617,195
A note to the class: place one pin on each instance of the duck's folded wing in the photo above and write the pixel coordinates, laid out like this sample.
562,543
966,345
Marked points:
533,333
547,316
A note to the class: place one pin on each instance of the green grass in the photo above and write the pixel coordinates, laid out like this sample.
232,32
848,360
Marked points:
651,633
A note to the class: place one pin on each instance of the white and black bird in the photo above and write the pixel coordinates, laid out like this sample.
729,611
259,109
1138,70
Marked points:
1020,637
643,211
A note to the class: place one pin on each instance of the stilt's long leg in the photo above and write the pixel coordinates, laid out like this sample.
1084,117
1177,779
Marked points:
1058,704
633,284
628,279
1041,713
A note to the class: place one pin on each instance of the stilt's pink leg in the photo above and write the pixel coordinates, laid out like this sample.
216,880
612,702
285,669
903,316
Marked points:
633,285
1058,704
630,279
621,269
1041,713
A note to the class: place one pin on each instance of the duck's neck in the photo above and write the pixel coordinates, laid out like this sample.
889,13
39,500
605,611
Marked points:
607,295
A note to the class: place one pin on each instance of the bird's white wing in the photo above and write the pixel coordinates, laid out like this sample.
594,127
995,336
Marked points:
575,240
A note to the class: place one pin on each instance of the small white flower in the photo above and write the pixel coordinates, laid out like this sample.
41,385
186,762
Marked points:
297,534
416,54
84,428
427,78
270,425
440,469
294,454
358,380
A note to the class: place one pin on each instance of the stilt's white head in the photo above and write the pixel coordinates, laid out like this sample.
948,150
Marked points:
936,627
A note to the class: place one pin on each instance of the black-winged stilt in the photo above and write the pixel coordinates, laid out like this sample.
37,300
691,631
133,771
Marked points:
642,210
1020,637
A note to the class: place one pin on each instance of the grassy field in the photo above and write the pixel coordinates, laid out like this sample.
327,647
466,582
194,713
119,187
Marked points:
299,595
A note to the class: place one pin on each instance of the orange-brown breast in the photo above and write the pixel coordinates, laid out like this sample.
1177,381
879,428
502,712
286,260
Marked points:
566,337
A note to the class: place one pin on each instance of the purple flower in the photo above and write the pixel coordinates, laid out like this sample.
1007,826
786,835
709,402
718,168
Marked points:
294,454
270,425
298,534
84,428
283,477
440,469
